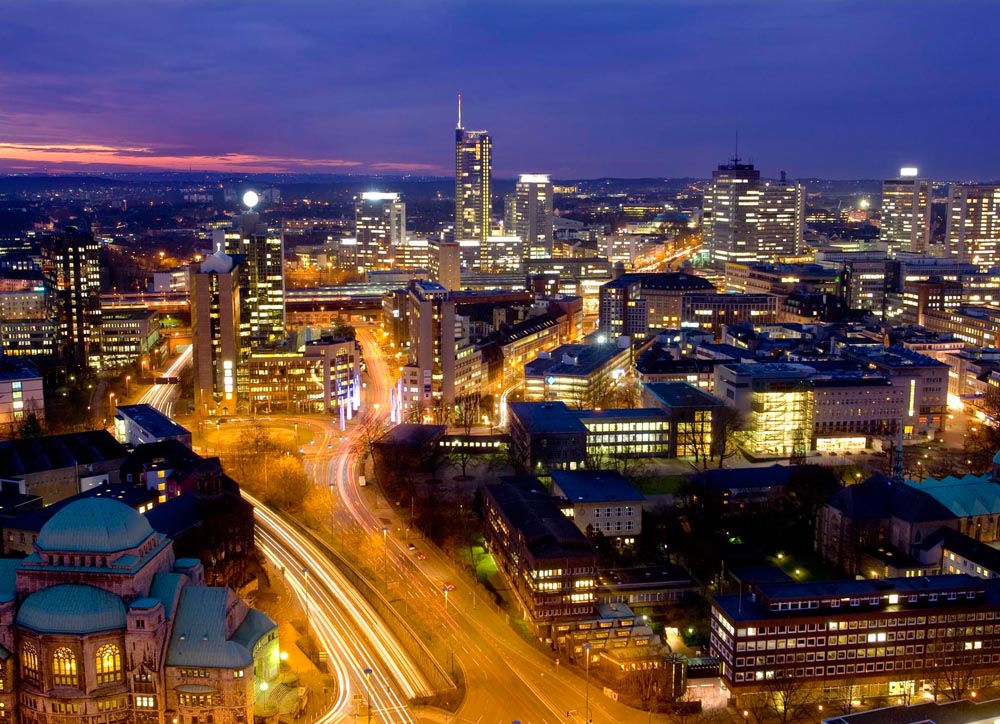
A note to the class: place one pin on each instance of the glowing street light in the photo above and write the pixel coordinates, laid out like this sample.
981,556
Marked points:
127,379
368,692
250,199
586,652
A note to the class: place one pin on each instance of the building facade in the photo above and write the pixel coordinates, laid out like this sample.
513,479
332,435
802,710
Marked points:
22,392
973,228
220,350
71,266
906,213
379,229
473,182
529,214
99,621
262,283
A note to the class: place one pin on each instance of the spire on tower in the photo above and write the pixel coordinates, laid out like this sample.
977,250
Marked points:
459,126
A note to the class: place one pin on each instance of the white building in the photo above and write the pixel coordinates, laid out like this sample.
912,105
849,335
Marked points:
379,227
529,214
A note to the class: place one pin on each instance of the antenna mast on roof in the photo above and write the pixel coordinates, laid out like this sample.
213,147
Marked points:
736,149
459,126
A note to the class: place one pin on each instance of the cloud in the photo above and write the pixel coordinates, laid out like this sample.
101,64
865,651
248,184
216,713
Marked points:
94,156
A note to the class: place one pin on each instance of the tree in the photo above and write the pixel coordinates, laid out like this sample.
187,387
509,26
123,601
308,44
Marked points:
28,426
730,427
466,417
954,675
782,700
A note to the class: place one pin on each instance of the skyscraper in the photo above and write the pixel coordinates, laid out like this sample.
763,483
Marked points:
530,214
906,212
973,234
220,350
262,319
71,267
473,182
745,219
379,227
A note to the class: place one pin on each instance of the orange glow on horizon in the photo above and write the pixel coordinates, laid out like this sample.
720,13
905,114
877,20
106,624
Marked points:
140,157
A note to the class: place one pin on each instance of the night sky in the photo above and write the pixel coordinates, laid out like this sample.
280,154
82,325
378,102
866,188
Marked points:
577,89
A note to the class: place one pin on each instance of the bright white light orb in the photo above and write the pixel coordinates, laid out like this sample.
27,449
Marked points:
250,199
908,171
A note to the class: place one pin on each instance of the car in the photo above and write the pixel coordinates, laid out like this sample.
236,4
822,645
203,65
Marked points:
329,446
449,586
421,557
411,547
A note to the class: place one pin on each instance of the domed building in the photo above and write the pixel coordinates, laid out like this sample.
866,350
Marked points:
102,624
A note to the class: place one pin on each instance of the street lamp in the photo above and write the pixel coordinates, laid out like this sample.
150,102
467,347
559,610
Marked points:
368,692
127,379
385,557
305,596
111,402
586,652
445,589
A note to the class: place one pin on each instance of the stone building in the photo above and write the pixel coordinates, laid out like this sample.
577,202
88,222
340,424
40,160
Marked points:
102,624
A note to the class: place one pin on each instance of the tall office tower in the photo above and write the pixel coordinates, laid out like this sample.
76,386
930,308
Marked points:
973,234
530,214
473,182
219,349
380,229
71,267
906,212
262,318
745,219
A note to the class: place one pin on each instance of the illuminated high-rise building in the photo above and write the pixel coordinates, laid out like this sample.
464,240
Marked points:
473,182
379,228
746,220
529,214
906,212
71,267
220,350
262,295
973,234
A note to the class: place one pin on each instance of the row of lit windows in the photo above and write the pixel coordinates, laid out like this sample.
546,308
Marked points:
107,664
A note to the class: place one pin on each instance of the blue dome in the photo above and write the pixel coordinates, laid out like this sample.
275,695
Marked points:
94,525
72,609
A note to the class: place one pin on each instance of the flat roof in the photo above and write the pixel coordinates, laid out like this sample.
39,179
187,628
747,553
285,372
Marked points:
595,486
682,394
546,417
151,420
546,531
587,358
15,368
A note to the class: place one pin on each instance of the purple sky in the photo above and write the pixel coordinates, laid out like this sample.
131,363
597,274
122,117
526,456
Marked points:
570,87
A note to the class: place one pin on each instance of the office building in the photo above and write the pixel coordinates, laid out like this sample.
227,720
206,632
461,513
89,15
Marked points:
713,312
473,182
529,214
27,337
103,623
586,376
71,266
220,351
639,303
22,392
746,219
323,376
600,501
549,564
262,281
128,336
973,229
379,229
502,254
891,637
906,212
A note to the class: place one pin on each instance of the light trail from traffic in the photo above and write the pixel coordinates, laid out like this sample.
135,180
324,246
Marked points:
163,396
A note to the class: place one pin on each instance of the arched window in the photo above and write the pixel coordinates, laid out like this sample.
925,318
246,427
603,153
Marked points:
108,664
64,667
29,660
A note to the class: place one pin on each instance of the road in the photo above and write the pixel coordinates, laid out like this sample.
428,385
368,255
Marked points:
163,396
506,678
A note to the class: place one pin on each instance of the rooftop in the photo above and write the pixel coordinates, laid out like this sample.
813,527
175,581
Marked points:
16,368
94,525
151,420
574,360
72,609
52,452
546,531
963,711
666,281
681,394
546,417
594,486
966,496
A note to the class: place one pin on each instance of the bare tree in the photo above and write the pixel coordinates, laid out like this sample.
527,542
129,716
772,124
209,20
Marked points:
731,429
954,677
782,700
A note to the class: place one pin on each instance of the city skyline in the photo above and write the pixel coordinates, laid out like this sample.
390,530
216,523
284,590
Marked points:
830,89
